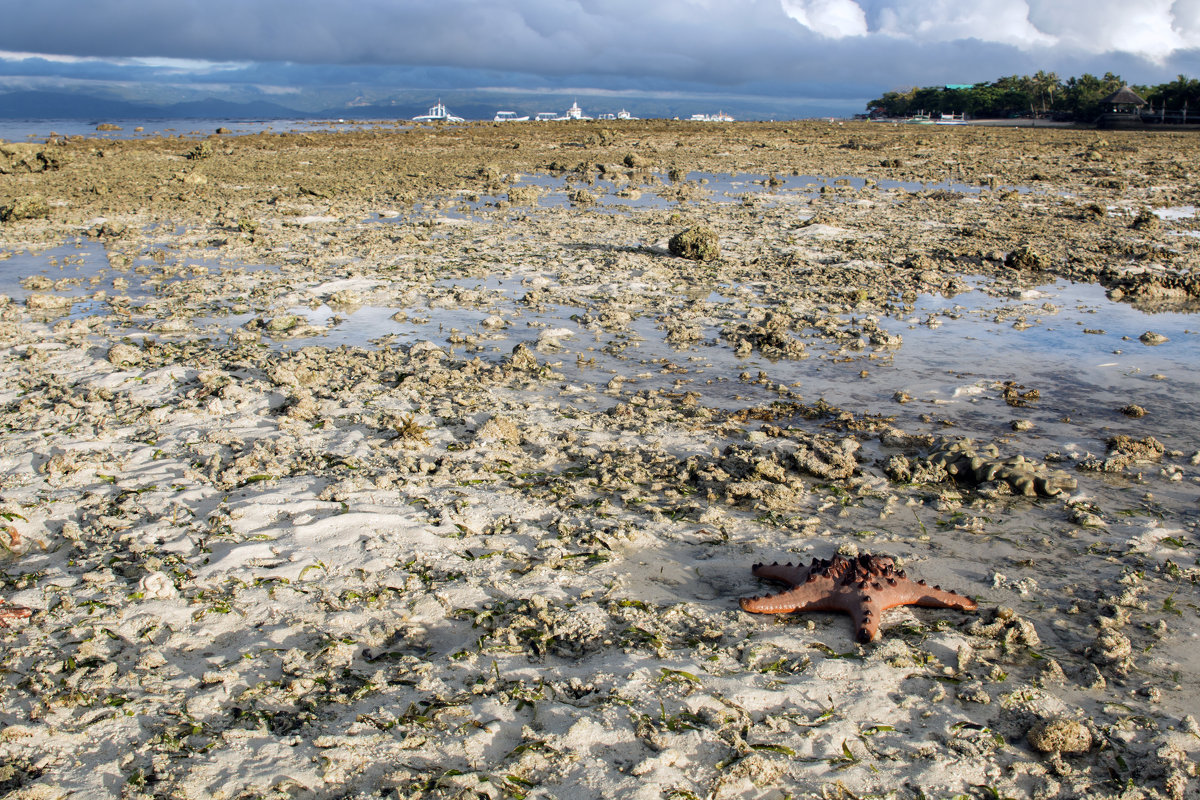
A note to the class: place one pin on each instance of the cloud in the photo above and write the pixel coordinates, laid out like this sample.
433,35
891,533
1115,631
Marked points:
775,48
1151,29
999,21
834,19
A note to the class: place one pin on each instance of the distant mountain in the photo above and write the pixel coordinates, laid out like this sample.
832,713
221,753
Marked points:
403,104
64,105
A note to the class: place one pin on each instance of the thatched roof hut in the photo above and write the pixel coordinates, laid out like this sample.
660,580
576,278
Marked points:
1124,96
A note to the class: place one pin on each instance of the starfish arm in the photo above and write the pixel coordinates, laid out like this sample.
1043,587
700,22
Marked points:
782,573
918,593
805,597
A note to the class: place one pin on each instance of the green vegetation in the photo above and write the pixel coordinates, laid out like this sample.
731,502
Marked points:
1043,94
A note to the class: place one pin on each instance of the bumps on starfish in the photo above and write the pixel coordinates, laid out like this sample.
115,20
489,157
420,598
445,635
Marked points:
863,587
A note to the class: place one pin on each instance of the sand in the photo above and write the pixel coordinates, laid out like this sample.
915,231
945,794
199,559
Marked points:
411,463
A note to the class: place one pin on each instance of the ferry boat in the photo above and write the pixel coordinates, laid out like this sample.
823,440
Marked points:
545,116
438,113
508,116
574,112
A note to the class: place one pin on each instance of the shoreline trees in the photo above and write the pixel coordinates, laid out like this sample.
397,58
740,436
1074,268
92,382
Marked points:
1041,95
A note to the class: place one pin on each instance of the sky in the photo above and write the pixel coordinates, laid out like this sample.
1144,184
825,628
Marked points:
829,56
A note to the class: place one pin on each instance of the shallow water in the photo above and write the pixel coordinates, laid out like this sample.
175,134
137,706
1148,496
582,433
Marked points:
1069,341
653,191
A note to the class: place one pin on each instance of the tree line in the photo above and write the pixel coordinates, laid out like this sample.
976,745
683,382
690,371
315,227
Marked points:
1042,95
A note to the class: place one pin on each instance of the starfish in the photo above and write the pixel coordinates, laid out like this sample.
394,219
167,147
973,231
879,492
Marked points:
863,587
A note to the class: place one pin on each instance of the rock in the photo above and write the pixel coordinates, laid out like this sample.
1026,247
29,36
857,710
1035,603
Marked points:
24,208
552,337
697,243
124,355
494,322
48,302
157,586
1145,221
522,359
1060,736
499,429
26,157
1152,338
965,463
200,151
345,297
1025,258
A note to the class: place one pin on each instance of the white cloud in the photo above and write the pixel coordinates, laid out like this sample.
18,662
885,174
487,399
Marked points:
834,19
1152,29
15,55
998,21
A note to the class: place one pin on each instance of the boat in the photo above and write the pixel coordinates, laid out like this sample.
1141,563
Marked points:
545,116
508,116
951,119
438,113
574,112
720,116
623,114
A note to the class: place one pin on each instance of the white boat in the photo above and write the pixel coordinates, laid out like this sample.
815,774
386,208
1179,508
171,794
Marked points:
438,114
545,116
508,116
623,114
574,112
720,116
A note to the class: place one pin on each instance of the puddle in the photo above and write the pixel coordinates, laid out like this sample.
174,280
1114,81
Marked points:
1080,350
82,271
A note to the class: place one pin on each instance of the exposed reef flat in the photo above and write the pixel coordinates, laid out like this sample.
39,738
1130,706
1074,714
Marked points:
415,464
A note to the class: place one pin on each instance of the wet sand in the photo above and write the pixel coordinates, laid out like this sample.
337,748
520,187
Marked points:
413,463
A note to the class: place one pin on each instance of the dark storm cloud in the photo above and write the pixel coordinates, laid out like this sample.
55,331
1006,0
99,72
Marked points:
847,48
717,42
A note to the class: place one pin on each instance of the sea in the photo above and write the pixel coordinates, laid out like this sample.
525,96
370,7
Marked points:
40,130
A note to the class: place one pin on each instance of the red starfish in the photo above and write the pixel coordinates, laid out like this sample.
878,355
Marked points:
864,588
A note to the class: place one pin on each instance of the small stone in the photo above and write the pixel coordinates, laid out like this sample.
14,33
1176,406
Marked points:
124,355
1024,258
1134,411
1060,736
1152,338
